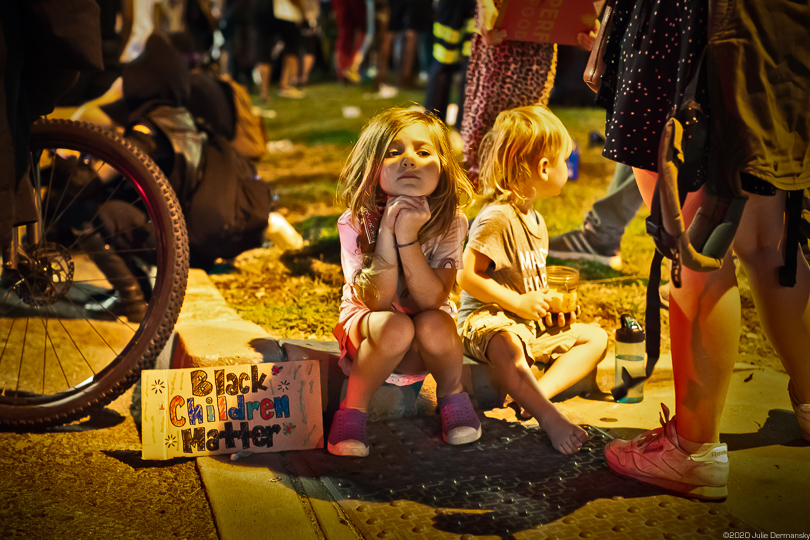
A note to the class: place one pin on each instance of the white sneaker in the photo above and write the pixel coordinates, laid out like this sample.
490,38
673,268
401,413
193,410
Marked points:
387,91
291,93
802,411
654,457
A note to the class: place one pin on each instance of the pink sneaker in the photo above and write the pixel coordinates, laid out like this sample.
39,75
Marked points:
460,425
654,457
802,411
347,436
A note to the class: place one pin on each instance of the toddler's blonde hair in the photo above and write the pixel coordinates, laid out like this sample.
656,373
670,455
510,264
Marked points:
512,148
359,184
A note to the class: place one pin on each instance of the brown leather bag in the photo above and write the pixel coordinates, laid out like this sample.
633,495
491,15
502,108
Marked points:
596,63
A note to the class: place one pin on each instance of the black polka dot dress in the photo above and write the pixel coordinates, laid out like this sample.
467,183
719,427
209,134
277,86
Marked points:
653,58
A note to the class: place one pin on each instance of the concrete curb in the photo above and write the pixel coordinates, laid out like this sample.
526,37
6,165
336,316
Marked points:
209,333
769,468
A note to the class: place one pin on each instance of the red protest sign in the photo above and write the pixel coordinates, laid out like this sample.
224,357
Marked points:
547,21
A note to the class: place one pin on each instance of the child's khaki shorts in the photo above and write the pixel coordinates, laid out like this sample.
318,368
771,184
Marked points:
539,344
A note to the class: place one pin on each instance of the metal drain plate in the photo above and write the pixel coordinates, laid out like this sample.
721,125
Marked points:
511,483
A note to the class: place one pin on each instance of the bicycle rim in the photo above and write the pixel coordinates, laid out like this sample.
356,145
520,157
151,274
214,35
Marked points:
65,347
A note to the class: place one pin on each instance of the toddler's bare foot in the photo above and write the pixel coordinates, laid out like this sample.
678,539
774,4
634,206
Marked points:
566,437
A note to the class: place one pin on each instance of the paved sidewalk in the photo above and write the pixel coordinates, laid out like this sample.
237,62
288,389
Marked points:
511,484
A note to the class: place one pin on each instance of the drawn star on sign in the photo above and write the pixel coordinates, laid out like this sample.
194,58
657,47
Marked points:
171,441
158,386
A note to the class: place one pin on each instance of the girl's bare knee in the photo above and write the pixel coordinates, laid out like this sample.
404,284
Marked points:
395,333
436,332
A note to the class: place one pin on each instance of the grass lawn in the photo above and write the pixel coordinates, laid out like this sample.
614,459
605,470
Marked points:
296,295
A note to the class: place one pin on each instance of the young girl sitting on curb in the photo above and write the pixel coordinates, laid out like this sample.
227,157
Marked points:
505,320
396,321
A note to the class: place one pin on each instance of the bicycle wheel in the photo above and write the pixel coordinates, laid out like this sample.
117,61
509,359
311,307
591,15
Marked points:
64,348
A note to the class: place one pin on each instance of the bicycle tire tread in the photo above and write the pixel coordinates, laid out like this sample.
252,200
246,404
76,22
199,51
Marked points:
48,416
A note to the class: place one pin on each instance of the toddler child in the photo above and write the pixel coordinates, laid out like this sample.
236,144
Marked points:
504,319
401,243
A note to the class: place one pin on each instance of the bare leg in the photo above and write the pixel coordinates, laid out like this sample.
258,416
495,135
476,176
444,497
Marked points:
289,71
384,58
513,374
437,349
265,71
408,59
705,332
387,336
578,362
783,311
307,64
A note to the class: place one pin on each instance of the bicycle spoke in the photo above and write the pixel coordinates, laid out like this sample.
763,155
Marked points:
44,353
78,349
50,190
124,231
19,300
76,197
120,251
91,280
99,333
22,355
106,310
97,352
5,343
50,187
116,353
11,308
56,355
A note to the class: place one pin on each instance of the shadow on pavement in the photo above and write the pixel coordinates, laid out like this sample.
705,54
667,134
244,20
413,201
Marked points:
133,459
510,480
779,429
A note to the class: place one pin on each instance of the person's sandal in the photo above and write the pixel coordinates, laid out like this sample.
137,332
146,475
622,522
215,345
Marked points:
460,424
347,436
802,413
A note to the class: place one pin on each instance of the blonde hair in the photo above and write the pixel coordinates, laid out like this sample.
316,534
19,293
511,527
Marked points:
359,184
514,145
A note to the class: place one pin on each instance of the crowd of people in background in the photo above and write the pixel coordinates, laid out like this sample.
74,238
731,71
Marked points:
278,43
395,44
276,48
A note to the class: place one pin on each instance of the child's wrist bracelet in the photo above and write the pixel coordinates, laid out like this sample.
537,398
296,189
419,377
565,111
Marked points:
406,245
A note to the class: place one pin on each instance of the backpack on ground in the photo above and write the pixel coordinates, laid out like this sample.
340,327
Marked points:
224,201
250,137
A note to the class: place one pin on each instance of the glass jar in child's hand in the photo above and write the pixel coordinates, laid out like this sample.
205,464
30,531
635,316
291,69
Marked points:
563,282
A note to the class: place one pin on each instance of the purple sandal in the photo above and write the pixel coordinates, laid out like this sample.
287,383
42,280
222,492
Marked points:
460,424
347,436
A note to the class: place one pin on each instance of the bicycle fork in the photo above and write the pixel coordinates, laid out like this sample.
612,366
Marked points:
32,232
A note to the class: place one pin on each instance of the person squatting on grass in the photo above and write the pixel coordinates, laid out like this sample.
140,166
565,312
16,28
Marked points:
396,320
505,319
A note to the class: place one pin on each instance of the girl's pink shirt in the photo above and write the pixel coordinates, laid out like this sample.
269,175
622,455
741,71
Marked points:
442,252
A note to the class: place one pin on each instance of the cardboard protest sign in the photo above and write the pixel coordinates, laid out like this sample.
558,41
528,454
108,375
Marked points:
547,21
222,410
